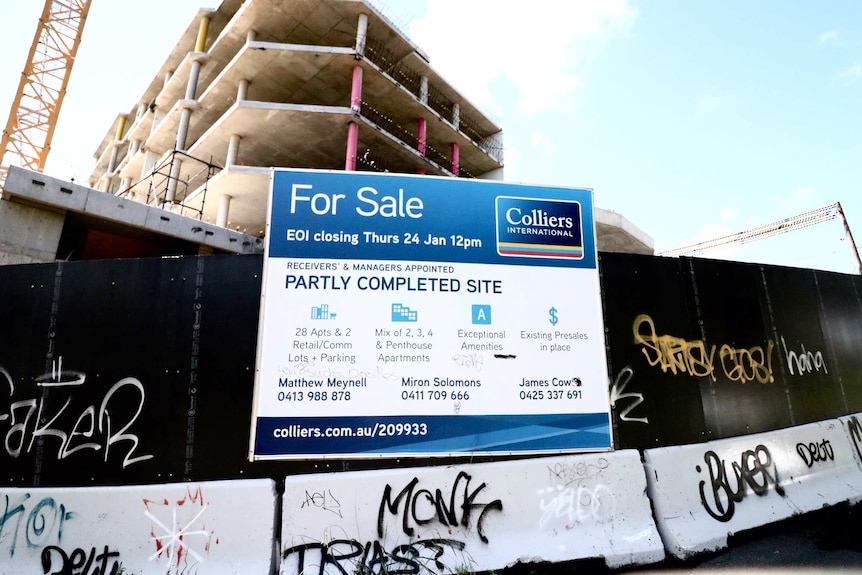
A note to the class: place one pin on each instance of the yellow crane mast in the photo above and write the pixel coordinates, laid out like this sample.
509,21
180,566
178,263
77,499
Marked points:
33,116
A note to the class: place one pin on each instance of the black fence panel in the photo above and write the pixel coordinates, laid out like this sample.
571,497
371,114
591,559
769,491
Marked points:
813,394
224,377
26,301
142,371
741,394
841,324
654,375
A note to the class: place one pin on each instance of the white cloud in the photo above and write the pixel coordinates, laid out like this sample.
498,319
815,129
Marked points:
712,100
539,50
711,103
851,74
542,145
804,198
729,214
828,37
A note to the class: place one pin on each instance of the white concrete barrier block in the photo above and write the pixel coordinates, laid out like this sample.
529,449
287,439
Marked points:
703,493
477,517
852,425
208,528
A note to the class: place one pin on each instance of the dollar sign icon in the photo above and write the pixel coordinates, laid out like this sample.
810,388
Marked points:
553,313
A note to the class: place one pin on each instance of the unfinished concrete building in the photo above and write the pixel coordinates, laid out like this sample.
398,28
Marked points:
250,86
325,84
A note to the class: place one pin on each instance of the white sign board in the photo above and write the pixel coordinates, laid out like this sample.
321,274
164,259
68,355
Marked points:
408,315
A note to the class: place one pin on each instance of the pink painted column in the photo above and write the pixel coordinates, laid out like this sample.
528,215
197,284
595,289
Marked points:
356,89
423,136
352,146
456,158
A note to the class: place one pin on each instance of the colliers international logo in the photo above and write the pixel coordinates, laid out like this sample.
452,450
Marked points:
529,227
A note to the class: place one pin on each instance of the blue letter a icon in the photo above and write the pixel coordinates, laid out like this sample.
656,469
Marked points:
481,315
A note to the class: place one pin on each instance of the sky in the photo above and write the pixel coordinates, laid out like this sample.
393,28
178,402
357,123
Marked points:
691,119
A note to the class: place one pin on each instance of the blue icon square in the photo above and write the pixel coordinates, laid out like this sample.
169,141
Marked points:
481,315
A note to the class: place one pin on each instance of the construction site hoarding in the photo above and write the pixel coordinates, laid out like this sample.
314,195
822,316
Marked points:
416,316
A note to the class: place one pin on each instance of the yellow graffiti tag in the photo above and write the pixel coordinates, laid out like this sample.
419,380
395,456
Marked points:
694,357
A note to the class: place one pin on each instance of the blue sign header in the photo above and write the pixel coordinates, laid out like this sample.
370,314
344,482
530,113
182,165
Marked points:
355,215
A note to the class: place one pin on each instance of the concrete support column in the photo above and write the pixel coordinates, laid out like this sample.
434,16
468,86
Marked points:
183,129
150,159
356,89
232,150
134,147
423,136
456,158
223,210
158,116
168,75
456,115
423,90
250,36
125,183
352,146
186,114
361,35
242,90
192,84
191,91
115,145
115,152
173,180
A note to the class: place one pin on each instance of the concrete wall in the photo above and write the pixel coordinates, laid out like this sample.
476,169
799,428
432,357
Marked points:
214,528
28,234
614,508
478,517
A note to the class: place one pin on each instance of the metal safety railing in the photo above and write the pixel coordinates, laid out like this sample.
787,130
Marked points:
168,189
404,75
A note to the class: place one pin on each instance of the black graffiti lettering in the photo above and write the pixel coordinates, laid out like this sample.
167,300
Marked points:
812,453
420,507
387,503
754,470
394,563
855,430
79,562
322,500
411,565
577,473
495,505
354,549
348,556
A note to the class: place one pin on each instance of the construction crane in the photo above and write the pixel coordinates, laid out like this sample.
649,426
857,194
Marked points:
33,116
803,220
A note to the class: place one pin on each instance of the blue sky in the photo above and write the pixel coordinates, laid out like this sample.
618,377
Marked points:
692,119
